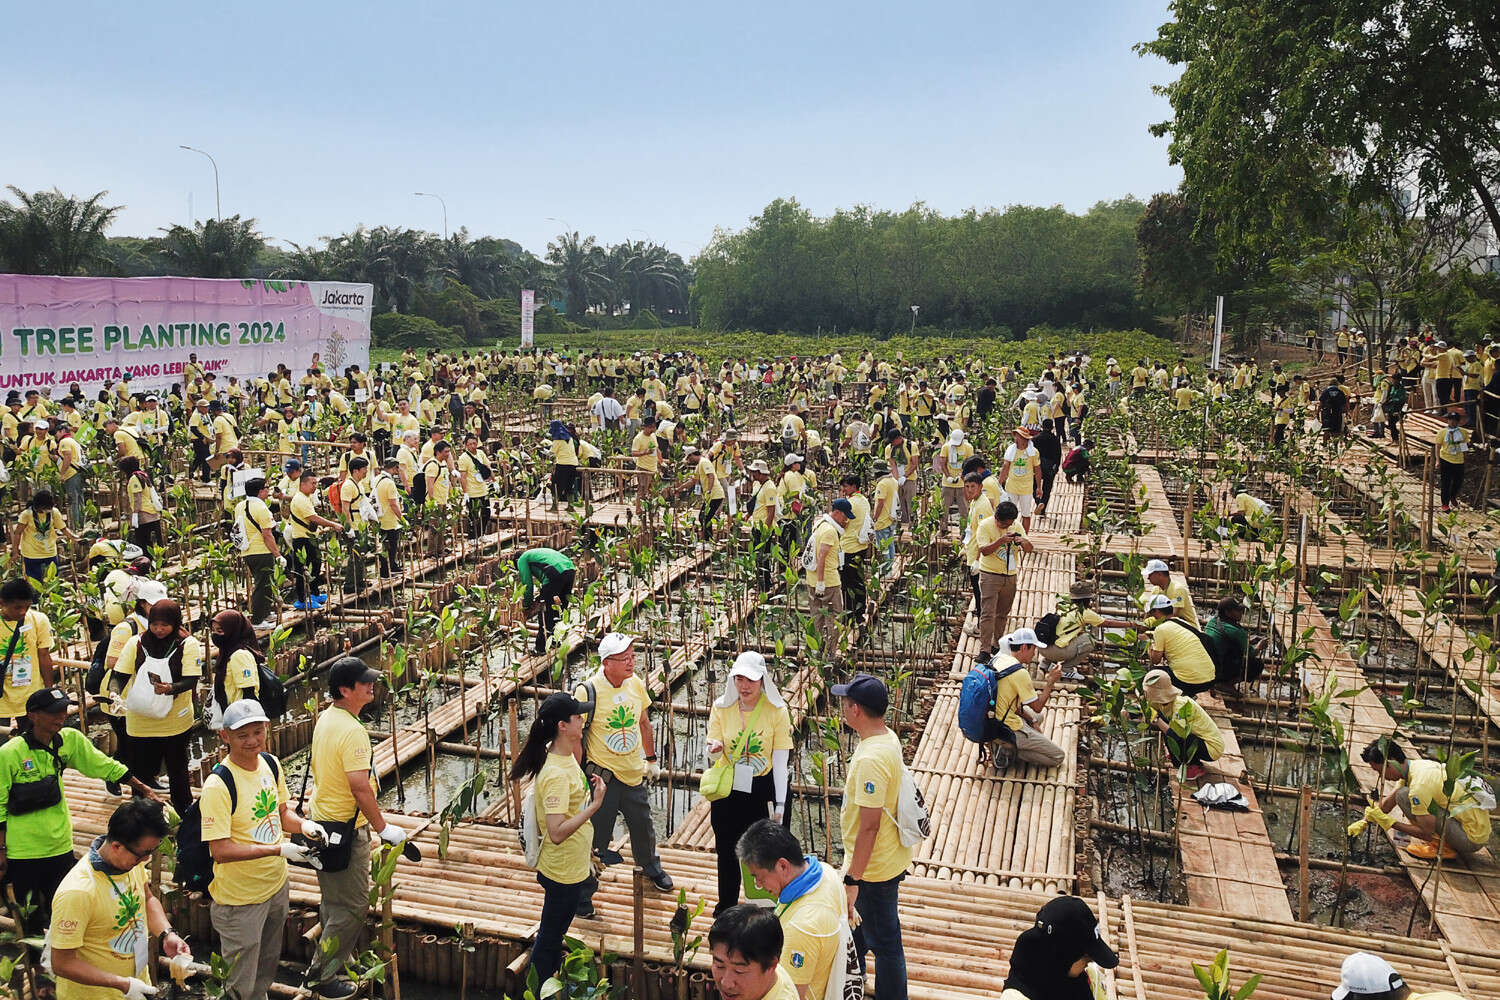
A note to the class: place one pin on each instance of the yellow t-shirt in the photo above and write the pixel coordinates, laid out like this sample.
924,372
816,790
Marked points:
1021,481
886,489
614,737
340,744
122,633
241,677
849,540
564,452
562,789
24,675
407,459
387,494
956,457
38,534
302,510
980,510
1424,783
1182,600
750,738
259,795
1011,692
811,927
643,448
439,483
1071,625
784,988
226,437
475,486
1452,443
104,919
767,496
255,516
130,446
1007,558
1186,656
68,448
874,779
179,718
1197,722
825,532
142,497
704,472
350,493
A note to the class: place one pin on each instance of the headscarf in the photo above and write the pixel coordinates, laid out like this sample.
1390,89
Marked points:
1039,972
752,665
558,431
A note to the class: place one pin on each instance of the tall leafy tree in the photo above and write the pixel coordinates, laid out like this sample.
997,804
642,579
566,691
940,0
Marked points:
580,263
214,248
49,232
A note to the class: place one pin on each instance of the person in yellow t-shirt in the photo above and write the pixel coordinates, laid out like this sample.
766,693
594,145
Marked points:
259,525
1018,705
750,730
565,803
245,808
1452,442
827,600
745,942
1177,648
170,659
236,664
104,913
1000,540
883,515
1075,638
620,747
387,497
765,498
26,645
1420,786
950,460
564,463
874,857
1192,736
33,540
1159,580
644,451
809,903
710,487
344,790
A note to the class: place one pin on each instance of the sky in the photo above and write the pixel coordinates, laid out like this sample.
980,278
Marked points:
658,120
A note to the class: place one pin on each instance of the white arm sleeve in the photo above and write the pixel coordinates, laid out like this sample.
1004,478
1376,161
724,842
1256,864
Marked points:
779,760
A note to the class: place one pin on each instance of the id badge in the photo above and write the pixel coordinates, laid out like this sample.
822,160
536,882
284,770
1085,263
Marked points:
744,775
20,671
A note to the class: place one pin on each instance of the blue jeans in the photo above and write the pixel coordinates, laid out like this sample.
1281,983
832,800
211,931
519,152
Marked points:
560,903
880,932
885,541
73,490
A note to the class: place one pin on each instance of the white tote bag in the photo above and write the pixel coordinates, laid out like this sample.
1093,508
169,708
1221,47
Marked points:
141,699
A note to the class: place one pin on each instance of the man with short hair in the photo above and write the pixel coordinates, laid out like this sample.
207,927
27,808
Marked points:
1159,580
344,800
823,579
620,747
242,825
1422,785
387,496
854,548
1018,705
875,860
745,942
999,542
810,904
260,556
104,913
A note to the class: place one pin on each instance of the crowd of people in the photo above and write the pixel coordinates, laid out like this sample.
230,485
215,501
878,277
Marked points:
397,461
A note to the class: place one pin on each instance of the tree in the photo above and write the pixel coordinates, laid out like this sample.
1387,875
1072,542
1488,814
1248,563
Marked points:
580,263
214,248
52,233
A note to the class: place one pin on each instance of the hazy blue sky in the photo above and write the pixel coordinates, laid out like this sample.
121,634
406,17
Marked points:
625,120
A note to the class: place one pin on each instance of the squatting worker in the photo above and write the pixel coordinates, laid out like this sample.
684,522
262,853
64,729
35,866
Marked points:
745,943
875,860
750,728
1364,976
620,747
36,833
1075,628
1059,956
1420,786
249,894
1159,581
566,801
344,801
101,945
1192,735
1018,705
548,576
1177,648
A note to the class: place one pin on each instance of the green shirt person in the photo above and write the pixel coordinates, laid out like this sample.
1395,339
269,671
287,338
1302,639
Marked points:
552,573
36,834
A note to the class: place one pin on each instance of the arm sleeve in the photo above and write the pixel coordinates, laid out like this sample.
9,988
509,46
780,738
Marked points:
82,756
779,760
716,725
70,919
213,809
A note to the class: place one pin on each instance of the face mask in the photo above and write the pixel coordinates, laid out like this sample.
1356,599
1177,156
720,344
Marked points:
218,640
97,860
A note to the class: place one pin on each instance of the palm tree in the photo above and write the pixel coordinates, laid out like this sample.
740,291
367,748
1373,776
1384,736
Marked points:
214,248
52,233
480,264
306,263
580,264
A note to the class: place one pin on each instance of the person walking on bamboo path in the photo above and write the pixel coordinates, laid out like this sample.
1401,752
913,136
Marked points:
306,558
822,561
261,549
883,517
854,549
875,860
104,914
565,804
1177,648
1364,976
1018,474
36,832
950,462
1451,446
817,943
745,943
1059,956
1075,639
1159,581
1192,737
750,730
1049,460
1018,705
548,577
344,805
170,660
1421,785
620,747
244,809
999,540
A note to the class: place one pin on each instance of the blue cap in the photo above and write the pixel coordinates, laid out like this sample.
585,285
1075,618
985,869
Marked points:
866,691
843,506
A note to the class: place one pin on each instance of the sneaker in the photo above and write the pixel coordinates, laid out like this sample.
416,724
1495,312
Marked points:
1073,675
112,787
1427,850
334,989
609,856
586,912
662,881
268,624
300,605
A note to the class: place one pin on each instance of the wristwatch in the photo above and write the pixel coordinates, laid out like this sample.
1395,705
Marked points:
651,757
851,880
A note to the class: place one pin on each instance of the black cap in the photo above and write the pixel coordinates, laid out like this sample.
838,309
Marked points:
53,699
349,671
559,707
1070,926
866,691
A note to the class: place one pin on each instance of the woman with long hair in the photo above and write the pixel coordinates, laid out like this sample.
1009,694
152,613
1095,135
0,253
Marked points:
565,803
237,660
170,659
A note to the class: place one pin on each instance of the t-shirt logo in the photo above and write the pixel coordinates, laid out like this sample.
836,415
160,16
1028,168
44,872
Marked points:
620,729
869,788
28,764
798,960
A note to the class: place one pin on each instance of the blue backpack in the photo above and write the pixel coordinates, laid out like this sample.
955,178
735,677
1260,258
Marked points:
977,718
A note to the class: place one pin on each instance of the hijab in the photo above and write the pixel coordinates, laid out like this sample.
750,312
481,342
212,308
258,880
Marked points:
1040,972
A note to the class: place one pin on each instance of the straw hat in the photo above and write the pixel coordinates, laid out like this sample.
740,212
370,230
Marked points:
1081,590
1158,687
1023,432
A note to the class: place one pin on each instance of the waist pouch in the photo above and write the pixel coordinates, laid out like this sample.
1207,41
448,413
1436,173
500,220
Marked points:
33,796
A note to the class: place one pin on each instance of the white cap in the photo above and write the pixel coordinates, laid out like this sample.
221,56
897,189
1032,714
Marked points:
1159,602
956,438
689,450
1021,637
149,591
792,458
242,713
759,465
614,642
750,665
1155,566
1366,975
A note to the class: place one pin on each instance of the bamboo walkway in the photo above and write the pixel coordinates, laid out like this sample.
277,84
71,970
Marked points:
1449,646
1475,532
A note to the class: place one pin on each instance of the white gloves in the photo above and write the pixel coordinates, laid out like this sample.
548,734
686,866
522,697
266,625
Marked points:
135,989
297,854
653,770
392,834
349,533
822,588
974,566
314,831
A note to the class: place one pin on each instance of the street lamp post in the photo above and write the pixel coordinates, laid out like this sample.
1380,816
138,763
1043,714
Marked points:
913,330
427,194
218,210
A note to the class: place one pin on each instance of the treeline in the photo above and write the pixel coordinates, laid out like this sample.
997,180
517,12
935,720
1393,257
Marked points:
863,270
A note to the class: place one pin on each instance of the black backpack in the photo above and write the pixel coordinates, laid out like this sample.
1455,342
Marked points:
418,491
1046,628
272,693
194,870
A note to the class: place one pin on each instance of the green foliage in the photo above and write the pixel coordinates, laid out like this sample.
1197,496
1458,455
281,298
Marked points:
53,233
213,248
1215,980
399,330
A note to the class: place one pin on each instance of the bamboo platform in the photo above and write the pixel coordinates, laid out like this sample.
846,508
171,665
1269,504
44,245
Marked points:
1448,645
603,515
1475,532
1163,533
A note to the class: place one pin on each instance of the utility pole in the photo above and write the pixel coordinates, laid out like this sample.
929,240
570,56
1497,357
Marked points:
218,209
426,194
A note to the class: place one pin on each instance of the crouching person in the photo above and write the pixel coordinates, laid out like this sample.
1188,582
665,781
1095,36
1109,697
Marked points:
1192,736
1020,702
1465,827
1075,630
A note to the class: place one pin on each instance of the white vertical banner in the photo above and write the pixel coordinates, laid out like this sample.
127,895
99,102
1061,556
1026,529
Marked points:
528,317
1218,329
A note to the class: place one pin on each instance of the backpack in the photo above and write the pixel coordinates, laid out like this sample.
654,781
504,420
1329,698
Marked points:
1046,628
1396,400
194,870
271,692
977,718
336,497
418,492
531,835
913,824
237,532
